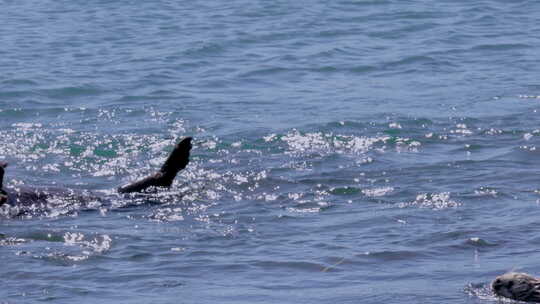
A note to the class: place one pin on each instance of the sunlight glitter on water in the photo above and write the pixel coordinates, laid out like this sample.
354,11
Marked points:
436,201
313,125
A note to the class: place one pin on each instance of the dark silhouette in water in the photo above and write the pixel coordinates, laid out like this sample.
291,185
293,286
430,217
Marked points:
177,160
517,286
3,193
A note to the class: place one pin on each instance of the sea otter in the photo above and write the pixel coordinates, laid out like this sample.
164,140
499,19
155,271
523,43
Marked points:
517,286
177,160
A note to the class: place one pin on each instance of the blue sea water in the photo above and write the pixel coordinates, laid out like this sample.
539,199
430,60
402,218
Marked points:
349,151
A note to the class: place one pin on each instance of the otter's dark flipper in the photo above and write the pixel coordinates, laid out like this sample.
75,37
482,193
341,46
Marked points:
177,160
3,165
3,193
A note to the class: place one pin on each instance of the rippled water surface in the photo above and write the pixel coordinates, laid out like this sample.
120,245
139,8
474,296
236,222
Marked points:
363,151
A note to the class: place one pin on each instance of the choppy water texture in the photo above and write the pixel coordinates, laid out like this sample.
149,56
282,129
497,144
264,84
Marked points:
369,151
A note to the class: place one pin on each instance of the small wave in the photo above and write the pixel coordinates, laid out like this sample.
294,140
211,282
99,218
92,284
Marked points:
483,291
291,265
69,92
67,247
485,191
168,214
412,60
478,242
398,255
377,192
344,190
4,94
265,71
203,49
19,82
354,3
501,47
529,96
98,244
435,201
309,207
11,241
323,142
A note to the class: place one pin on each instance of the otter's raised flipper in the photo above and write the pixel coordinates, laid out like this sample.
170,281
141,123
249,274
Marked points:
3,193
177,160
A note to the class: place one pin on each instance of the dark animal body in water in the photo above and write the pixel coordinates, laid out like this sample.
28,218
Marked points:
517,286
177,160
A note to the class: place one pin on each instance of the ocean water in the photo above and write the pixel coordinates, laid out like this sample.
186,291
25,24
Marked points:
350,151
